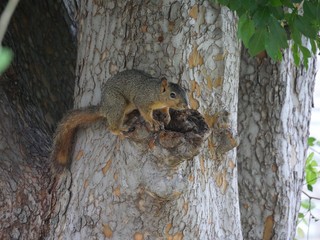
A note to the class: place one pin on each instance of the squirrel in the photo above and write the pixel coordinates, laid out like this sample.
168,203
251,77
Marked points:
124,92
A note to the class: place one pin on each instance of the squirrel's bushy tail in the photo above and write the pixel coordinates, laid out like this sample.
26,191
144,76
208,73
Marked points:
62,142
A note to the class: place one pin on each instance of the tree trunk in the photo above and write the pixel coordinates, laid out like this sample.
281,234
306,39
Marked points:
273,122
34,93
124,189
170,184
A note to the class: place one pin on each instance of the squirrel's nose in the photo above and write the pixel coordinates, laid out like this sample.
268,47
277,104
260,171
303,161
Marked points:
186,104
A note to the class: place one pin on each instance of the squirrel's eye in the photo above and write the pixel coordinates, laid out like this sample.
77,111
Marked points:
173,95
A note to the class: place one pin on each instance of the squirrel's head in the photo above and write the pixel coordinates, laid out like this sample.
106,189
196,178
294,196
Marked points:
175,96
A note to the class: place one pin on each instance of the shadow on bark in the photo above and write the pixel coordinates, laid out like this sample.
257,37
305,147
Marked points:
34,93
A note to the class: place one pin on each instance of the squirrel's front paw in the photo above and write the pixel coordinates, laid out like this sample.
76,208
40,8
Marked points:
156,126
167,119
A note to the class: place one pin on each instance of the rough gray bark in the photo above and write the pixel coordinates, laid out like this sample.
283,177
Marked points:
121,189
33,95
273,120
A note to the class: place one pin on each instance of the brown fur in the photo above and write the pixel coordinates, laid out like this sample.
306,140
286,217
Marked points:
62,146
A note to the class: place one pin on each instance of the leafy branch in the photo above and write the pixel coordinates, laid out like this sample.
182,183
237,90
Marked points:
312,174
268,25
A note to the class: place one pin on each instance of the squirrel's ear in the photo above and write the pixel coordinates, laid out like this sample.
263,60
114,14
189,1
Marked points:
164,84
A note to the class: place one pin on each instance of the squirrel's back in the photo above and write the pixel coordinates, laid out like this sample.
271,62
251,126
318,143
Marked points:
130,82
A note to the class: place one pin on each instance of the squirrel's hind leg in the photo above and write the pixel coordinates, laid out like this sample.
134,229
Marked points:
115,114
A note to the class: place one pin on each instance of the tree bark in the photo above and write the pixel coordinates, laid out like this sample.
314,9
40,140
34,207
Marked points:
34,93
122,189
273,121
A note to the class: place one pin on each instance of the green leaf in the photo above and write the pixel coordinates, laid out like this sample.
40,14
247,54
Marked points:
275,3
257,42
306,55
317,7
309,159
276,40
289,18
278,32
313,44
277,12
300,215
235,5
305,51
306,204
273,50
247,4
311,141
245,29
305,27
296,54
311,177
6,56
296,35
300,232
310,187
312,163
261,17
311,11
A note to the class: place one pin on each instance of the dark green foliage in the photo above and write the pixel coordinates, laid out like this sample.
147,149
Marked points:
267,25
